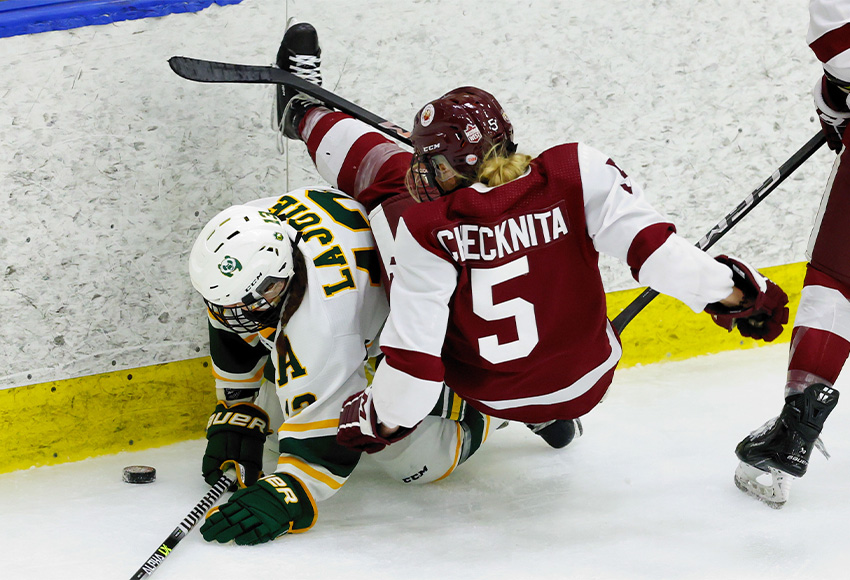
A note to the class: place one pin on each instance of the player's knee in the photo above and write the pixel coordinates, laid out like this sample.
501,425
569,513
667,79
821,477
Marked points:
428,454
435,448
825,269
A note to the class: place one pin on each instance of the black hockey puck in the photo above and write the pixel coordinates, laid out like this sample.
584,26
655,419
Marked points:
139,474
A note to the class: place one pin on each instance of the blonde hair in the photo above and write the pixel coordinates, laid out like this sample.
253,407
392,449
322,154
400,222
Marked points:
499,167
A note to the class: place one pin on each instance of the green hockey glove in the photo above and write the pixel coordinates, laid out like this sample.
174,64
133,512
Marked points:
235,433
276,505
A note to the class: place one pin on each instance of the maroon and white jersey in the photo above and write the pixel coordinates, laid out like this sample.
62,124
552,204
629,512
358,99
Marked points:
497,291
820,341
829,35
829,243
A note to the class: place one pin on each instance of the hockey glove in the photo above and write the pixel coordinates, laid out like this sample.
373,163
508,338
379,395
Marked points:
275,505
235,433
358,425
833,111
763,311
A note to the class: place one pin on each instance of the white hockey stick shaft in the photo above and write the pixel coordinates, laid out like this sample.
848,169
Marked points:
193,517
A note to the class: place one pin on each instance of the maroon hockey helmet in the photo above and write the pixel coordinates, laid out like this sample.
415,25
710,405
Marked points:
453,134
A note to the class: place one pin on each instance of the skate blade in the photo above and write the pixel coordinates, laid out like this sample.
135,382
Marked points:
773,493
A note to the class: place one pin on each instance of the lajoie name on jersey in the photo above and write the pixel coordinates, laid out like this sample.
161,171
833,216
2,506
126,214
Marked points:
308,222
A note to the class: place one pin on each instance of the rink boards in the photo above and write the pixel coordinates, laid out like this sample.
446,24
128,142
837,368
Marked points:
72,419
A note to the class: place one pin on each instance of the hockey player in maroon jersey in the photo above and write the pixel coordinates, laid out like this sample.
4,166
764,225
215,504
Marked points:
495,287
820,341
385,198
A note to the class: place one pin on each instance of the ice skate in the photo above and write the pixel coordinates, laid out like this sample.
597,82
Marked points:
558,433
778,451
300,54
771,487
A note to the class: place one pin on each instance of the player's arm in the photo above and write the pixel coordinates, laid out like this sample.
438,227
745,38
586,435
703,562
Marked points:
237,428
237,363
409,381
319,370
829,38
623,224
831,104
275,505
308,447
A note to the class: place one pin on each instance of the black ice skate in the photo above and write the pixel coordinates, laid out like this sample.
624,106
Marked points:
300,54
780,449
558,433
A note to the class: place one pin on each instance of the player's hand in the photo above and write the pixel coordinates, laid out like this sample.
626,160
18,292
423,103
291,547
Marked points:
833,112
763,311
275,505
236,433
358,425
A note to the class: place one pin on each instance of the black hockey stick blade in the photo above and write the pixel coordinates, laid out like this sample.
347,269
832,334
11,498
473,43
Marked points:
208,71
727,223
199,511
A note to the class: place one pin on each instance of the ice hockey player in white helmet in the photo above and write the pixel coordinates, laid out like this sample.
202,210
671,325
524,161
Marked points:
295,303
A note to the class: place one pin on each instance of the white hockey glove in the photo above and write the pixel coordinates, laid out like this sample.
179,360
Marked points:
834,114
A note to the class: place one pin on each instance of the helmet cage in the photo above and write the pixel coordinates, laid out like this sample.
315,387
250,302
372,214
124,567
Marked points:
242,320
256,311
422,178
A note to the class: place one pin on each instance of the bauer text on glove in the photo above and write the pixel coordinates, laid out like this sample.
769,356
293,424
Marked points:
275,505
237,433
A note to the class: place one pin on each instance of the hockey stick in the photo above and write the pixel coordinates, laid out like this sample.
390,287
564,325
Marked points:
723,226
219,72
207,71
224,482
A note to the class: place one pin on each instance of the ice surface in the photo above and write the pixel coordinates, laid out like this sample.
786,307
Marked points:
647,493
110,164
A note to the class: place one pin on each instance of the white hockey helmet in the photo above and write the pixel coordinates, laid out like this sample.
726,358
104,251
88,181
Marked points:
241,264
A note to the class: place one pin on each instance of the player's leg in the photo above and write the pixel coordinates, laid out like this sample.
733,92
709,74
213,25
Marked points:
436,448
781,448
820,345
447,437
300,54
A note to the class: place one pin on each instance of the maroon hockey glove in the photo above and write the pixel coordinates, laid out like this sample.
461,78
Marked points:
833,111
763,311
358,425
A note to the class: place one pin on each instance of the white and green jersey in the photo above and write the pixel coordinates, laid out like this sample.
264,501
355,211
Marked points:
317,360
